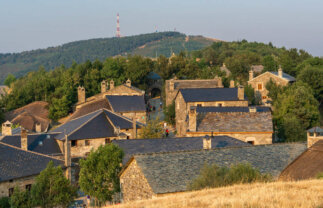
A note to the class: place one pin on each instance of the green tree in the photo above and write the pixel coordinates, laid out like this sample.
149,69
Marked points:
269,63
274,90
5,202
52,189
20,199
10,79
169,112
99,173
153,129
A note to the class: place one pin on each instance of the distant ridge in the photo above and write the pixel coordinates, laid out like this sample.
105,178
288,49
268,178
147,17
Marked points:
150,45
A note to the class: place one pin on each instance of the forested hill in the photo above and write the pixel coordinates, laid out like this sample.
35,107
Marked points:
149,45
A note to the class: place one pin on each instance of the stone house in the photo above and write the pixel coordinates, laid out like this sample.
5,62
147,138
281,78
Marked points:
147,176
19,167
187,98
172,86
249,124
314,135
94,129
259,83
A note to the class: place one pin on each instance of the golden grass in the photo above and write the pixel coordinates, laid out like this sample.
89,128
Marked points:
302,194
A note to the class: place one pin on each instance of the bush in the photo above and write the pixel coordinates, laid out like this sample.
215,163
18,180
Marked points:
20,198
5,202
212,176
319,175
170,113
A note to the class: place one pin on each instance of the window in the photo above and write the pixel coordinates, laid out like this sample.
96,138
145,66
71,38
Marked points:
259,86
87,142
28,187
74,143
10,192
199,105
107,141
311,134
128,137
251,142
264,97
219,104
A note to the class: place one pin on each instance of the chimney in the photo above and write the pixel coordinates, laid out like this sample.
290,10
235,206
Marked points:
81,94
24,139
128,83
232,84
192,119
241,92
207,143
111,84
280,72
171,85
7,128
134,128
103,86
219,80
67,158
250,75
38,127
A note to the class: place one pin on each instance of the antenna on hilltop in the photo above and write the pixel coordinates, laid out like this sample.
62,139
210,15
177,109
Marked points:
118,27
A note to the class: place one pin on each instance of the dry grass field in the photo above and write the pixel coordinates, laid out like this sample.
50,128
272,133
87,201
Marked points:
301,194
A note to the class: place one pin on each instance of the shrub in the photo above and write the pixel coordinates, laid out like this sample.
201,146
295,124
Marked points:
319,175
169,112
5,202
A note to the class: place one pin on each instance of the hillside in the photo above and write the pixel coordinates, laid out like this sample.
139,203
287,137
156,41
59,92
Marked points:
161,43
302,194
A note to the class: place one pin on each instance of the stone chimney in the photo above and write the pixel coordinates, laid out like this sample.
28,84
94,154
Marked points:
24,139
232,84
6,128
207,143
250,75
219,80
81,94
192,119
241,92
128,83
111,84
103,86
171,85
38,127
67,158
280,72
134,128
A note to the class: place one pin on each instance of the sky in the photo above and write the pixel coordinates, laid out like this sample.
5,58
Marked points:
33,24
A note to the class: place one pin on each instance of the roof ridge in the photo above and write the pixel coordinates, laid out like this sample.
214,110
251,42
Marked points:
81,116
106,97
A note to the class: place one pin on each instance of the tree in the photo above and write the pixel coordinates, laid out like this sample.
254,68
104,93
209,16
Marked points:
269,63
274,90
153,129
99,173
52,189
169,112
5,202
10,79
20,199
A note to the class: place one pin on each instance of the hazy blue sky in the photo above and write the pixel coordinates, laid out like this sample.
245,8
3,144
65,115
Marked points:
33,24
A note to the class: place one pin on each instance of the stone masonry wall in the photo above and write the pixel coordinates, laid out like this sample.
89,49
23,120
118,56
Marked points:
139,116
80,150
134,185
22,182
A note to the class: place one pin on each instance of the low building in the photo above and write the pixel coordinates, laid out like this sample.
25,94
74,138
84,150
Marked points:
314,135
221,97
172,86
152,175
259,83
249,124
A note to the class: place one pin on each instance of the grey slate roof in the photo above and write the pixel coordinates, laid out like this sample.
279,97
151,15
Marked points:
136,146
40,143
315,129
285,76
98,124
171,172
125,103
209,94
17,163
182,84
230,109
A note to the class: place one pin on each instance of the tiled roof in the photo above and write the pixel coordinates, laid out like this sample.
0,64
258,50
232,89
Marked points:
230,109
136,146
315,129
183,84
97,124
285,76
171,172
41,143
307,165
17,163
209,94
126,103
234,121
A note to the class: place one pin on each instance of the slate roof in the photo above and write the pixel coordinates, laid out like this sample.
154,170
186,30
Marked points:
315,129
307,165
97,124
230,109
171,172
206,83
40,143
209,94
125,103
17,163
285,76
136,146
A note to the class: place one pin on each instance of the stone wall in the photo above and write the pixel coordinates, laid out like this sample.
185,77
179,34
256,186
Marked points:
81,149
139,116
22,182
134,185
312,139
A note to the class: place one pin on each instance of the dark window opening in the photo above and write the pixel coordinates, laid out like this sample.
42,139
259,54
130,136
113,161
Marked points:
107,141
74,143
128,137
199,105
220,105
11,192
251,142
87,142
28,187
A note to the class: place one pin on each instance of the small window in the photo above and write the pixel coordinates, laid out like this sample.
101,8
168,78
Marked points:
264,97
11,192
107,141
74,143
220,105
251,142
311,134
128,137
87,142
28,187
259,86
199,105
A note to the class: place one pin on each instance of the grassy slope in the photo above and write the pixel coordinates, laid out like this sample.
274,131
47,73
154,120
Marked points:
303,194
